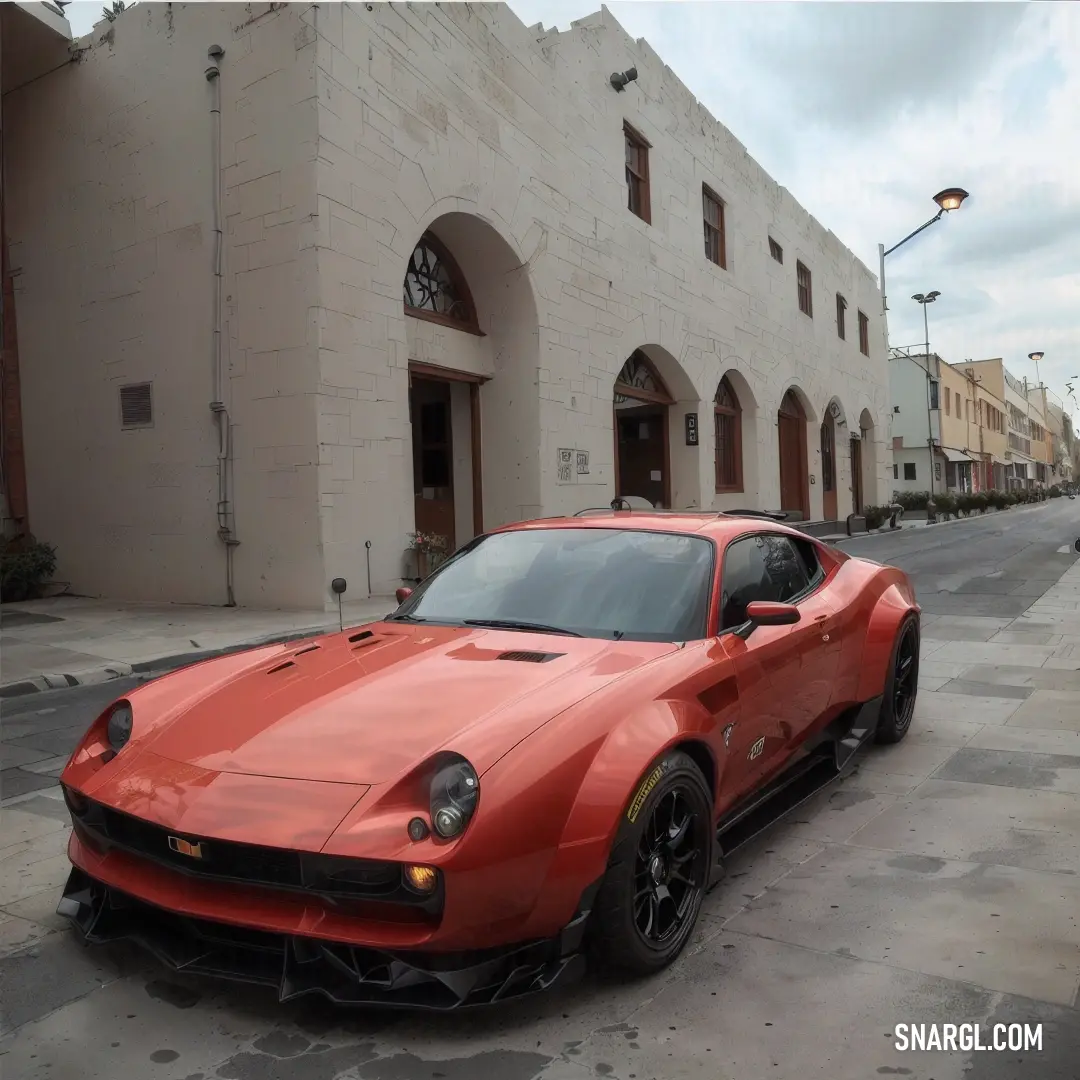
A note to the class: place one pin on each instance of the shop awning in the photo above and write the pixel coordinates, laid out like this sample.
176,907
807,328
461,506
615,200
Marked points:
956,456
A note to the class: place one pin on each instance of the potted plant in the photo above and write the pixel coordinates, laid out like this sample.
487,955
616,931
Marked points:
430,549
26,566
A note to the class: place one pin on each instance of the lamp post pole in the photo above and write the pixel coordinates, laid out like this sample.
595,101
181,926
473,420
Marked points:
924,299
949,200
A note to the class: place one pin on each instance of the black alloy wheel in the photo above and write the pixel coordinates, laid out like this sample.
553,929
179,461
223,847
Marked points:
901,684
651,896
669,870
905,676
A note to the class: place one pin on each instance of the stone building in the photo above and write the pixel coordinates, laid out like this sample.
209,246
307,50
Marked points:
297,280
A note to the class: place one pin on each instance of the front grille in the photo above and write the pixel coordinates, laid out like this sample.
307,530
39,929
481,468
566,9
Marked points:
329,876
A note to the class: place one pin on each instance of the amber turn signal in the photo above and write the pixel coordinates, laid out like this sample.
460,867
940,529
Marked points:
422,878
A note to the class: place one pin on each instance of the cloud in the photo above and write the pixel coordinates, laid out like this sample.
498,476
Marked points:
866,110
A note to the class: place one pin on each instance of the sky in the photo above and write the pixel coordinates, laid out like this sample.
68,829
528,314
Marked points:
865,110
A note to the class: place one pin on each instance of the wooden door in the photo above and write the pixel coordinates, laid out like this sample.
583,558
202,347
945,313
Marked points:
856,476
433,458
791,435
642,452
828,469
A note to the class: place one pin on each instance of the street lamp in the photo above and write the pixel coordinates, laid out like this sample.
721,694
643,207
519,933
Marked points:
948,200
924,299
1035,357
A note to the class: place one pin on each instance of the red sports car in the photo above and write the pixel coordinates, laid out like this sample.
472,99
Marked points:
543,755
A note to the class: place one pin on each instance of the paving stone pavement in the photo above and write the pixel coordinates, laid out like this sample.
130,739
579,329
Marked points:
938,883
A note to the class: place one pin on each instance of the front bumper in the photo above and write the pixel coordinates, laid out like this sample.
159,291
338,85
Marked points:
346,974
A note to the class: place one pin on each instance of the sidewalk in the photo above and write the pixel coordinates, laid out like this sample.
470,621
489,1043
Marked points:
72,641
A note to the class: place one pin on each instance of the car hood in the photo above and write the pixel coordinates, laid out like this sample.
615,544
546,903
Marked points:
363,707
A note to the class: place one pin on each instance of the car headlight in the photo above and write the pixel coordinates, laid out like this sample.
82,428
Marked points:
455,791
118,729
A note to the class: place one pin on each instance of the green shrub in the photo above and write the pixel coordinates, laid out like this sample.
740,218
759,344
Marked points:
26,565
911,500
876,516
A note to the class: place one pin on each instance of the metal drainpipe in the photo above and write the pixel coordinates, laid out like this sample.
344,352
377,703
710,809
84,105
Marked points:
217,405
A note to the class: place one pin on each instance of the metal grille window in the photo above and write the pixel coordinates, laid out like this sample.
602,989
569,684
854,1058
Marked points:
841,307
715,240
864,334
806,297
637,173
136,406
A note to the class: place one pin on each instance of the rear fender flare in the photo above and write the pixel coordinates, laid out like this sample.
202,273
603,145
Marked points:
889,612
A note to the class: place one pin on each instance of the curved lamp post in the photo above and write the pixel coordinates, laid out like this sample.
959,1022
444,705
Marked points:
948,200
924,299
1035,357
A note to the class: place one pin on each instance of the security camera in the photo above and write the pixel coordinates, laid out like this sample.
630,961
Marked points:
620,79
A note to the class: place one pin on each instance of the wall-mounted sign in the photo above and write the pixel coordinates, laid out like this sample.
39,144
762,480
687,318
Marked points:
691,429
583,462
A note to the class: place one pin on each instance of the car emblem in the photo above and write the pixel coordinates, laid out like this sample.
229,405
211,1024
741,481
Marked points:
755,750
183,847
727,734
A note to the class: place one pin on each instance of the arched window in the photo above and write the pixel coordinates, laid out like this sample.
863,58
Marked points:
640,381
435,289
728,423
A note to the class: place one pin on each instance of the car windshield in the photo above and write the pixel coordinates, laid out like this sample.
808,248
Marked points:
592,582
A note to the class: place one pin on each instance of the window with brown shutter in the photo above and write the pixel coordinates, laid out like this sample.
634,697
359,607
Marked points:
712,209
806,296
841,307
776,251
637,173
864,334
728,422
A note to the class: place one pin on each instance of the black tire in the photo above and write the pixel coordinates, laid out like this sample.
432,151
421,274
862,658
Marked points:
639,892
901,684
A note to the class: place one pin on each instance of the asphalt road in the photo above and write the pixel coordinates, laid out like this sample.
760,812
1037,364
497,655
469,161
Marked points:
791,973
995,565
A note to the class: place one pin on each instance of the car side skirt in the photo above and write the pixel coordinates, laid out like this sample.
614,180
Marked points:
826,758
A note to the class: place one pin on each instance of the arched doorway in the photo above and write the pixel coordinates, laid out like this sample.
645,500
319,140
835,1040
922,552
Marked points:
791,437
863,463
471,339
642,454
727,423
444,407
833,427
829,508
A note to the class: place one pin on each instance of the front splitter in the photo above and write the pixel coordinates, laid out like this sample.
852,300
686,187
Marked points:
295,965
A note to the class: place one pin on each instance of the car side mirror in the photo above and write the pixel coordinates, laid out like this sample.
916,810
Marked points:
1076,543
402,594
766,613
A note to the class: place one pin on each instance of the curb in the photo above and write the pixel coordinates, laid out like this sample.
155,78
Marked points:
159,665
886,531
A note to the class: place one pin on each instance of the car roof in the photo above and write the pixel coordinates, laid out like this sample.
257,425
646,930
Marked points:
716,524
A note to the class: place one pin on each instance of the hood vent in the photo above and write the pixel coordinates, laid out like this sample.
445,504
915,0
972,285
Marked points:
306,649
530,657
362,636
280,667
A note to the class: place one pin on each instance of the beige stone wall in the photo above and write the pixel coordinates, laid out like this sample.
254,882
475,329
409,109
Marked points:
109,187
347,133
507,143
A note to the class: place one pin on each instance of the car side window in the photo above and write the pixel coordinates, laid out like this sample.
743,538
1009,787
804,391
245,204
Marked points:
745,578
786,568
814,570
